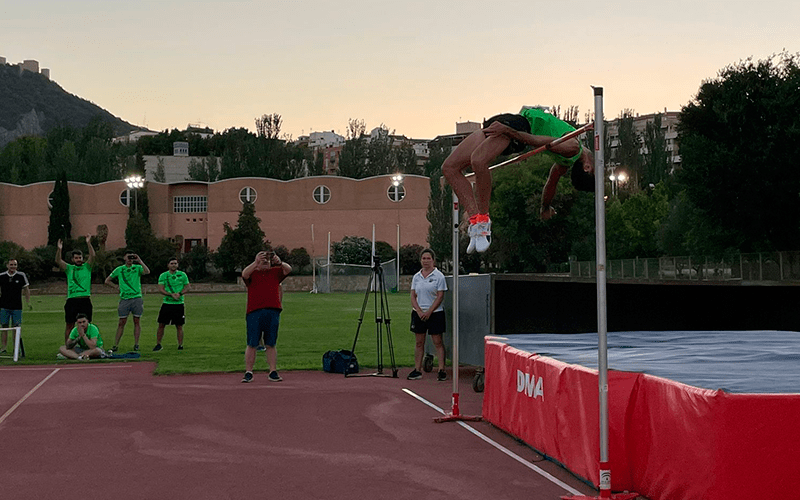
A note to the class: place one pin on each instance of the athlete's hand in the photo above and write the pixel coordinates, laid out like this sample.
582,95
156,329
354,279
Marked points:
548,213
60,244
497,128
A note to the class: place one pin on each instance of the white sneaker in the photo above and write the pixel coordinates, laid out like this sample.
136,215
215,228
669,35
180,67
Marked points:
483,234
472,234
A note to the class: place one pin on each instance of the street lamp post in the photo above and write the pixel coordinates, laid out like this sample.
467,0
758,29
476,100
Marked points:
397,181
135,182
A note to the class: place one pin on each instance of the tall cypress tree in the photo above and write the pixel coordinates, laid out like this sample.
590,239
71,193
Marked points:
59,227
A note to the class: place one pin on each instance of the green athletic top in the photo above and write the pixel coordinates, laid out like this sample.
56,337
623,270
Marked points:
130,281
79,280
543,123
91,331
173,283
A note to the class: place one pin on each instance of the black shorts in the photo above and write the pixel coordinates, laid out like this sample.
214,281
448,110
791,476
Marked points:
517,122
434,326
75,306
171,314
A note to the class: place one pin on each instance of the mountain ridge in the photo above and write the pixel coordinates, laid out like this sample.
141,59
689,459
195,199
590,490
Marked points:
32,104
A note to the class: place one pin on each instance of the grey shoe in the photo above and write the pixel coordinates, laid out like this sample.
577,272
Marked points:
248,377
274,377
414,375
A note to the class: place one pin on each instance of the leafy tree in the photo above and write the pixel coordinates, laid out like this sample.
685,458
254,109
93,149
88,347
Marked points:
440,204
205,169
632,226
409,258
195,263
628,156
240,245
656,158
406,160
380,154
59,227
299,259
352,250
65,159
353,158
385,251
269,126
740,140
160,175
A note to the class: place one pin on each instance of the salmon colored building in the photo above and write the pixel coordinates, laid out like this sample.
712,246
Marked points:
197,211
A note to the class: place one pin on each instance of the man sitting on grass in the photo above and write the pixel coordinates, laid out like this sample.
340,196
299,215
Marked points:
84,341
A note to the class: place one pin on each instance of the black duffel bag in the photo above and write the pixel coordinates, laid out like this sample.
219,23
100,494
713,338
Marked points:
341,361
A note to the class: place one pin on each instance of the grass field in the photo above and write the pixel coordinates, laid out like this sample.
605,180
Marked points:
214,334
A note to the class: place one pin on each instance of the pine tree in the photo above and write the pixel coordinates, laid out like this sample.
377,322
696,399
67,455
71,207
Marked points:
59,227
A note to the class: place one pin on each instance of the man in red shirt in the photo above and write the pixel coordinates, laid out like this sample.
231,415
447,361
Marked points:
263,280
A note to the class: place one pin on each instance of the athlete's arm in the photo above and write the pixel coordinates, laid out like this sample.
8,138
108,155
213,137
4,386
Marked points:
549,191
59,261
91,249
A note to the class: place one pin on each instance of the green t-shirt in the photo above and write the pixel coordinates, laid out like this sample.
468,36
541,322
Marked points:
79,280
543,123
91,331
173,283
130,281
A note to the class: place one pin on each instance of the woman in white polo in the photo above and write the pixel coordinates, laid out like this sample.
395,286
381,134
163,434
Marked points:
427,317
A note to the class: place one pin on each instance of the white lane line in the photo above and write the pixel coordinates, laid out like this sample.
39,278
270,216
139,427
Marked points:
502,448
65,367
16,405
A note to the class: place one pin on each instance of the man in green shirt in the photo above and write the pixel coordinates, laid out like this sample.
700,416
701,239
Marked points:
84,341
79,285
173,285
129,284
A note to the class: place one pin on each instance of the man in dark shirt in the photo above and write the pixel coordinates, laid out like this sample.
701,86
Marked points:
12,284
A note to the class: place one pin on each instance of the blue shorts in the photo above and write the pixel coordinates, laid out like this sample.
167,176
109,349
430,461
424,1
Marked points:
263,323
15,315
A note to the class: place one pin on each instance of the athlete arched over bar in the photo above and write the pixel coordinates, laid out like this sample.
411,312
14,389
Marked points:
507,134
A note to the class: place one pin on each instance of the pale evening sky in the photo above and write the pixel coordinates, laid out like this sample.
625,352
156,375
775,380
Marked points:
416,66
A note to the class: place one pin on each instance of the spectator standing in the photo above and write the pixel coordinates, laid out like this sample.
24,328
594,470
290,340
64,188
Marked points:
263,279
79,285
173,285
12,284
427,314
129,283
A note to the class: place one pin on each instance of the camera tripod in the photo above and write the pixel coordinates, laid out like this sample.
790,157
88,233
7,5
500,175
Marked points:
377,286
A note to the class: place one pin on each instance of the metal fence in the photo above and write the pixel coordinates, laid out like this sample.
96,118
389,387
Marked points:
772,266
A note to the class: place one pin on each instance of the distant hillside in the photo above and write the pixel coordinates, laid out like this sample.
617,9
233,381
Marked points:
30,104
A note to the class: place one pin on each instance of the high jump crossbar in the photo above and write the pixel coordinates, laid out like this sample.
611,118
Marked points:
554,142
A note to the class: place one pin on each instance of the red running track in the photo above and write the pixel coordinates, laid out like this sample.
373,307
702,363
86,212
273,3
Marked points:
113,430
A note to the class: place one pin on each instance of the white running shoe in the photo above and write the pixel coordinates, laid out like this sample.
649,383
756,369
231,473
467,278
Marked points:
472,233
483,235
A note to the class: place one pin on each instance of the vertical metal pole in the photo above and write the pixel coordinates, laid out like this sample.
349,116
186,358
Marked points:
330,288
454,354
602,326
397,262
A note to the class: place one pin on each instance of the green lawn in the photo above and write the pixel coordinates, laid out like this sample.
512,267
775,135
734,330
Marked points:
214,335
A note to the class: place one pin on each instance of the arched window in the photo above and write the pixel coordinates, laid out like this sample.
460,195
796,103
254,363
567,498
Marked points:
125,198
247,195
50,199
322,194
